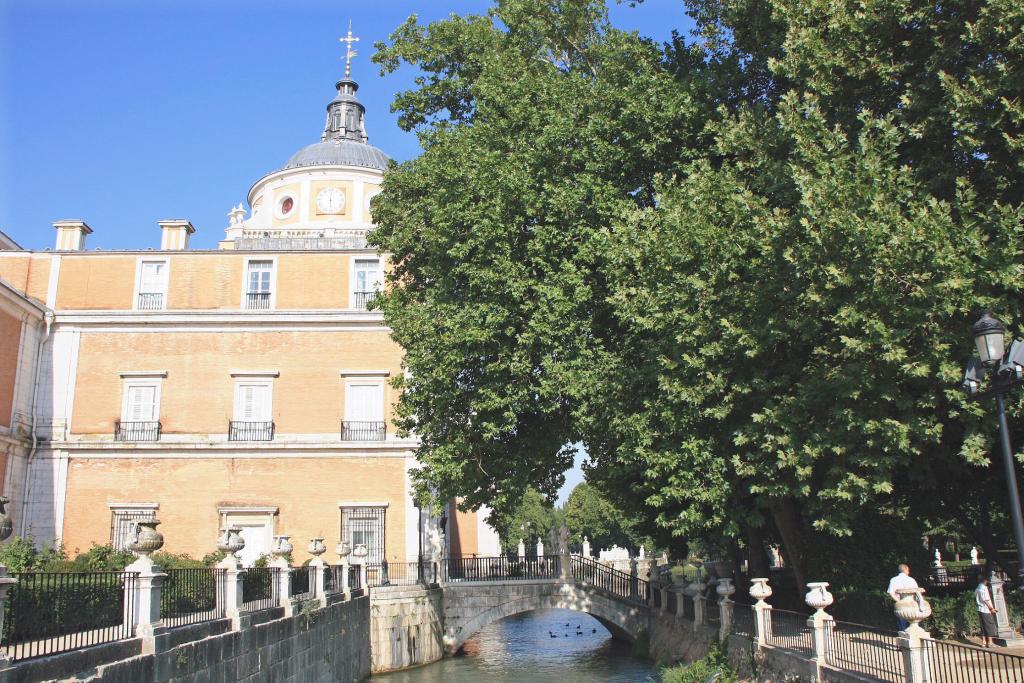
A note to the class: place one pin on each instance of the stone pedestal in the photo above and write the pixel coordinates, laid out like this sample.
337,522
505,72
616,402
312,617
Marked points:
233,591
6,583
1005,635
318,579
142,601
914,641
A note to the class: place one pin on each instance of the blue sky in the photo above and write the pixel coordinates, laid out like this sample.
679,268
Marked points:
123,113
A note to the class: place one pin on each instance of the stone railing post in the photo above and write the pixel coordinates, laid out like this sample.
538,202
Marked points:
343,550
664,597
360,554
279,560
725,589
318,573
914,641
761,591
231,543
1005,635
820,622
700,601
143,594
6,583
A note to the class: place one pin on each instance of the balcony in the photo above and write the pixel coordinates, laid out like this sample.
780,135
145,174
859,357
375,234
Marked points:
151,301
136,431
250,431
363,431
257,301
362,300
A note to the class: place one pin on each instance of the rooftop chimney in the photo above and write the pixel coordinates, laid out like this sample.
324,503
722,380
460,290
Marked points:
71,235
175,233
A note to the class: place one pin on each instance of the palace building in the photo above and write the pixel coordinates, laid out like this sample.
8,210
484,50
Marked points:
247,385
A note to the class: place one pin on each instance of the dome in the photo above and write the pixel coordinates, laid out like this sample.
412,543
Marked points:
339,153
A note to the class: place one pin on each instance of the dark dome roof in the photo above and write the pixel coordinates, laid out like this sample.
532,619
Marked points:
339,153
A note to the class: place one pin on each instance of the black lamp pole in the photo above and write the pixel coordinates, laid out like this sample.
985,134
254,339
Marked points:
1011,485
1006,370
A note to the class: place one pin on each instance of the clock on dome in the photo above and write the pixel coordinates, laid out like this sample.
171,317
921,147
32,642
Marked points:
330,200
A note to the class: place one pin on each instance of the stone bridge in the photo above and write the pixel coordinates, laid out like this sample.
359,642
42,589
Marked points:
457,597
471,605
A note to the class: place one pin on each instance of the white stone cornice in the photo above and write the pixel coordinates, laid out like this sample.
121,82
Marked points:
366,373
220,320
142,373
255,373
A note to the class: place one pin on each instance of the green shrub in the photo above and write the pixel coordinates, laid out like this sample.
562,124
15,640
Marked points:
700,670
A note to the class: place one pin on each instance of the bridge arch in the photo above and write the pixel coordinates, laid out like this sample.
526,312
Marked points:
470,607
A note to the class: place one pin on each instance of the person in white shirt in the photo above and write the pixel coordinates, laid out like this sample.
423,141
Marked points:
986,611
901,580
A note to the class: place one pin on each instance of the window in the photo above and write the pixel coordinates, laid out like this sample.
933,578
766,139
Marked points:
259,285
364,524
152,286
252,421
367,282
140,411
123,517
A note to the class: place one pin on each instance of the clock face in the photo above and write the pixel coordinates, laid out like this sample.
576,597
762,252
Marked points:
330,200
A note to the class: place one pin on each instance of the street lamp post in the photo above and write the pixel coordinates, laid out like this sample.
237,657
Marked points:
1007,371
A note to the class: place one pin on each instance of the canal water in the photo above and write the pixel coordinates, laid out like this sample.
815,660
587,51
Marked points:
546,646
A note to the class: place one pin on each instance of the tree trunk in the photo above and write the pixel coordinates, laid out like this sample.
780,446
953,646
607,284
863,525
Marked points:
787,520
757,558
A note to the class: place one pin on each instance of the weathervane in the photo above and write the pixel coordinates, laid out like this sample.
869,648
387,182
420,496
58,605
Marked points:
349,52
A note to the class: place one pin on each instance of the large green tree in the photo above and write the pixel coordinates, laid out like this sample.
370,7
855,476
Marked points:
741,270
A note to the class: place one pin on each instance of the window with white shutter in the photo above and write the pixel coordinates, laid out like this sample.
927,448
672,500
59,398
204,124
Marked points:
364,402
253,402
152,286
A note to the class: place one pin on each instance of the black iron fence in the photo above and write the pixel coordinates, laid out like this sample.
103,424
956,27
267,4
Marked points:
400,573
190,596
957,663
743,621
261,588
363,431
137,431
355,578
250,431
687,606
790,630
257,301
673,602
499,568
618,583
865,650
50,612
302,585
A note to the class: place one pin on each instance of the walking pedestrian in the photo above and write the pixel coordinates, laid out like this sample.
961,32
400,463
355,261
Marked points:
986,611
902,580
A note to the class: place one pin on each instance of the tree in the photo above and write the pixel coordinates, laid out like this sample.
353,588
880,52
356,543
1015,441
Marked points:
740,271
589,514
530,518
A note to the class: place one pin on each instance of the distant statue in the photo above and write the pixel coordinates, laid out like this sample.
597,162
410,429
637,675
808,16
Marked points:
522,549
586,547
974,554
436,546
642,552
938,558
563,539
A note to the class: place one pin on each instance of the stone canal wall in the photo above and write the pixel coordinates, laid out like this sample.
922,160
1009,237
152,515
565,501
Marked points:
672,639
406,627
317,643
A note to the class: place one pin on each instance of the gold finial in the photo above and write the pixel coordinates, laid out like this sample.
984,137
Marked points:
349,52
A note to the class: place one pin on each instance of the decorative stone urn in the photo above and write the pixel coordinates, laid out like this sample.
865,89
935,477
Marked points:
725,588
912,606
6,526
231,542
343,550
818,596
282,546
316,547
360,553
146,540
760,590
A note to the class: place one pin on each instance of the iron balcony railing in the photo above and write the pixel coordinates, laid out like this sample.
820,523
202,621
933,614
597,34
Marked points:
363,299
257,301
250,431
363,431
151,301
137,431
